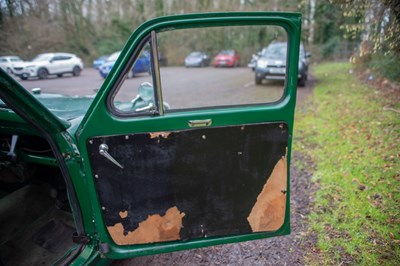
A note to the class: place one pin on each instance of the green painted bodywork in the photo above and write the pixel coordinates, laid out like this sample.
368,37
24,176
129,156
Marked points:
70,138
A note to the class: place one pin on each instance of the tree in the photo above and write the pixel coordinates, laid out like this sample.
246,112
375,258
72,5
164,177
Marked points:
377,21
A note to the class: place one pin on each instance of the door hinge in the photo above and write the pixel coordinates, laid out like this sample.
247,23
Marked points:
80,239
104,248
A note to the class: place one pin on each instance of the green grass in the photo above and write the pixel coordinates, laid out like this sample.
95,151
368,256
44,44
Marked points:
355,146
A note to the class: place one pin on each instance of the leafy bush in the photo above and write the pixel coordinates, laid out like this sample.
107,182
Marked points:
386,65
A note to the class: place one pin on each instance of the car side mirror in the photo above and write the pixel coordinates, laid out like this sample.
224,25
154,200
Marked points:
144,100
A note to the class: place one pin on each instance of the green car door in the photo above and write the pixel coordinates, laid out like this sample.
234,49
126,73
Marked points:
180,158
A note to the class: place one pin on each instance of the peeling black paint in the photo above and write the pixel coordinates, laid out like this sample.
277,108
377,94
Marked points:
213,175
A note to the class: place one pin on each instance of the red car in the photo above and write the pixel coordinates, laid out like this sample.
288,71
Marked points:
229,58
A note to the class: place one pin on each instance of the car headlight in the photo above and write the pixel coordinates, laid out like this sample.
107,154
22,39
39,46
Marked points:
31,69
261,63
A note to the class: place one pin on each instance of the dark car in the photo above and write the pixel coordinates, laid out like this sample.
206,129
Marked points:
197,59
253,61
142,65
99,61
162,59
271,65
229,58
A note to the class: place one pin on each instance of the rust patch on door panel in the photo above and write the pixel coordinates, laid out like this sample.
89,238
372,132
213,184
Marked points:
164,135
268,214
155,228
123,214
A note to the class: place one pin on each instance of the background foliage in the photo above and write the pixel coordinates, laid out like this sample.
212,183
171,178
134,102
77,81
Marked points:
332,29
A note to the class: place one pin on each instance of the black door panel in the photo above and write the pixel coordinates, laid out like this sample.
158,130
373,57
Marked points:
193,183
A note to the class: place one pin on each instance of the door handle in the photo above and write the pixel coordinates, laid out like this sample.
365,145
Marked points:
103,150
200,123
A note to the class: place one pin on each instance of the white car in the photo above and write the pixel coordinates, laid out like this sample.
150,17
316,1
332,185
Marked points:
7,63
47,64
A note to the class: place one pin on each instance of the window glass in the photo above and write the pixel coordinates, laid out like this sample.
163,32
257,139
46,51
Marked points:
15,59
136,93
207,67
223,66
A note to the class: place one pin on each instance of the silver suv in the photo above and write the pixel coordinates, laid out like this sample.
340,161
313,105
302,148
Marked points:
271,64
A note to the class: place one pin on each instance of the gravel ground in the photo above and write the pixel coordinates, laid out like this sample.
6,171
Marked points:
284,250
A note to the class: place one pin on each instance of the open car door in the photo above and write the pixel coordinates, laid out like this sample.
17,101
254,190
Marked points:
192,157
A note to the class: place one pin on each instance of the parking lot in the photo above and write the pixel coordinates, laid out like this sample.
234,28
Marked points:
182,87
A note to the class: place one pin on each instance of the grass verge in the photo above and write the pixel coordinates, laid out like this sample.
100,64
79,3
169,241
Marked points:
354,141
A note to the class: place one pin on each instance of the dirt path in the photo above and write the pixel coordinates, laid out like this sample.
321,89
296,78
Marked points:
285,250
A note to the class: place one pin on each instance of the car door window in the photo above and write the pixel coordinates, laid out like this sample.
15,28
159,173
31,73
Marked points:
222,80
56,58
65,58
226,80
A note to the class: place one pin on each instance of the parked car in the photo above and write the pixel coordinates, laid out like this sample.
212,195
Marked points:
86,180
99,61
7,63
142,65
162,59
197,59
229,58
253,61
44,65
272,63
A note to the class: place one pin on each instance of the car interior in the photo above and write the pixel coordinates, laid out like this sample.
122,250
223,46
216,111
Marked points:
36,224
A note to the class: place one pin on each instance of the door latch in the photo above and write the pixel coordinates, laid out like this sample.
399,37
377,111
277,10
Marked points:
103,150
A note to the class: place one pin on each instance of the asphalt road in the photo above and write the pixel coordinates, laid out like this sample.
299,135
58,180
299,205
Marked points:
182,87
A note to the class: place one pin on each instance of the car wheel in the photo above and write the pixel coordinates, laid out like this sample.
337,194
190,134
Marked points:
76,71
258,80
24,77
59,75
302,81
42,73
